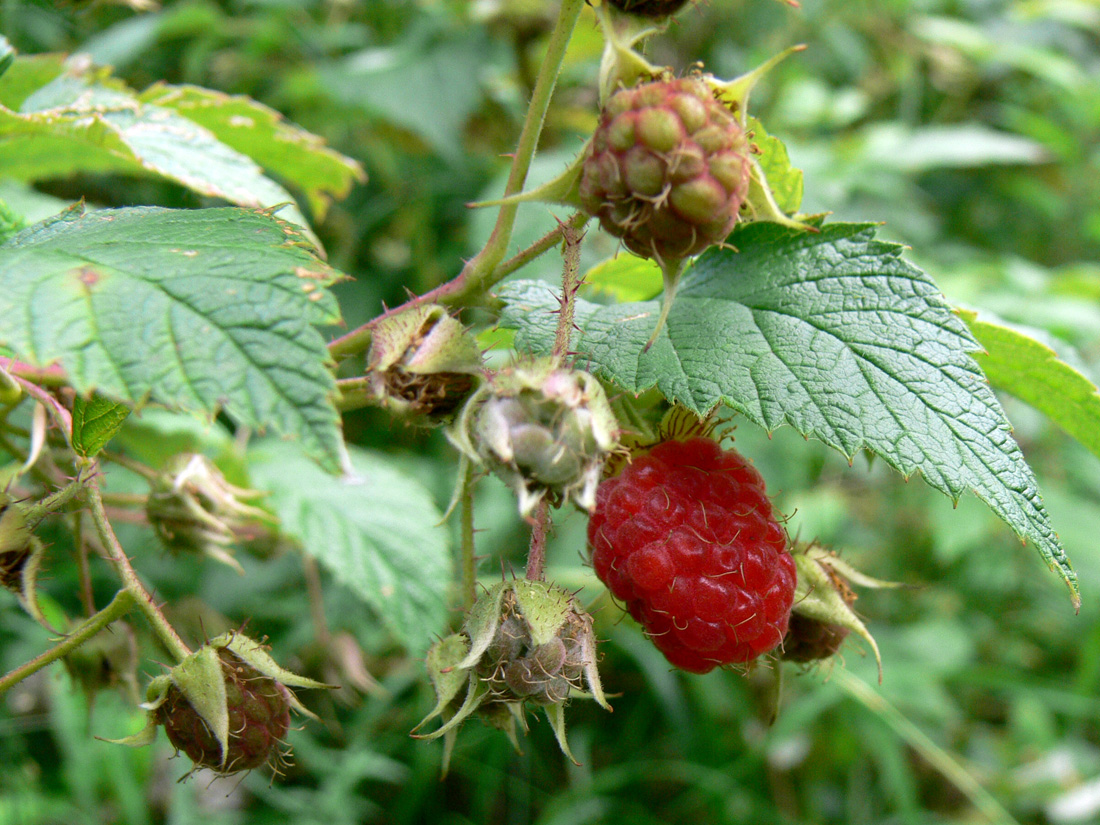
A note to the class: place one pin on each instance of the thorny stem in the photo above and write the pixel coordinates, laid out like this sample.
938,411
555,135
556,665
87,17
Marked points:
536,556
480,272
469,560
55,501
571,257
119,606
546,242
42,376
164,631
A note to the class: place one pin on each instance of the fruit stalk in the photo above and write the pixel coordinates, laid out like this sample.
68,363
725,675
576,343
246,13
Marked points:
144,600
536,555
570,283
119,606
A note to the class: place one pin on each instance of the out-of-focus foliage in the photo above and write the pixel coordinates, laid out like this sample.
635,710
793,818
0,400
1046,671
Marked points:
971,128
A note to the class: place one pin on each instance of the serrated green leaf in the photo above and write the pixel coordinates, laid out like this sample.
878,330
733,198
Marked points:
76,124
832,333
201,680
253,129
1017,363
377,532
96,420
198,310
784,180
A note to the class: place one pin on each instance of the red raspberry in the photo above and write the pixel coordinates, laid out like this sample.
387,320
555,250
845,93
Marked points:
686,538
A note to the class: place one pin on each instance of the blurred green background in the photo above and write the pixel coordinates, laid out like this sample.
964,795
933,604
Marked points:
970,128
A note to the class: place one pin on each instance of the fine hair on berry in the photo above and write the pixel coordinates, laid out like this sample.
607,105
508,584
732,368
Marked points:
686,538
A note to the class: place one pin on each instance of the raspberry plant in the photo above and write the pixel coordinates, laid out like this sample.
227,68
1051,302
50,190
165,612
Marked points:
613,407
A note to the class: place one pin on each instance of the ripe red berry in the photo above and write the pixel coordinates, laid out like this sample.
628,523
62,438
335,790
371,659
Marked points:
686,538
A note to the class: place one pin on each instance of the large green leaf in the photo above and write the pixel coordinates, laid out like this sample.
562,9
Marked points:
79,123
377,531
295,155
830,332
1017,363
196,309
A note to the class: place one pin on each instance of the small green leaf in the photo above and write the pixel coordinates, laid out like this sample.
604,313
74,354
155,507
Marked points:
1017,363
377,531
253,129
784,180
96,420
830,332
625,278
545,607
198,310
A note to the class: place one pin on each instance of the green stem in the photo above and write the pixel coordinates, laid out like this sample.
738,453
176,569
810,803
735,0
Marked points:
355,393
469,560
119,606
480,271
164,631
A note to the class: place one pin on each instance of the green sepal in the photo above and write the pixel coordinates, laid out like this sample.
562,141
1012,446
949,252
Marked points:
555,714
481,623
201,680
28,584
735,92
155,694
545,608
816,595
475,695
621,65
446,677
256,655
423,340
563,190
